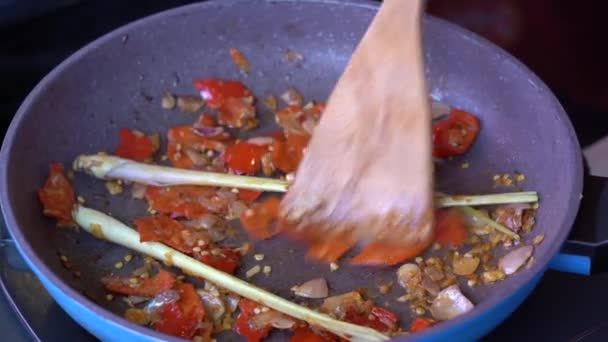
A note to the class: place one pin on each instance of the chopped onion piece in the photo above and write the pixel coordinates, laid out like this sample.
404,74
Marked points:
137,299
292,97
138,190
271,318
515,259
336,305
430,286
439,109
214,305
161,299
315,288
450,303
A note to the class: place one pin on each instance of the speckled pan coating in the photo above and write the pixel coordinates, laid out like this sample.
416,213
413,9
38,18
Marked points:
117,81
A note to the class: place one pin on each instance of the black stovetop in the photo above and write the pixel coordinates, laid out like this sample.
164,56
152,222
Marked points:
564,307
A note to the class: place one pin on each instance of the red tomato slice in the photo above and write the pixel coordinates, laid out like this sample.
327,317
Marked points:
216,92
420,324
450,229
170,232
244,158
57,196
242,326
381,254
182,318
178,201
258,220
225,259
148,287
134,146
308,335
454,135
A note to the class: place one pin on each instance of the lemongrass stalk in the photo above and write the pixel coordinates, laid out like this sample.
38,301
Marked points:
114,168
107,228
109,167
488,221
444,201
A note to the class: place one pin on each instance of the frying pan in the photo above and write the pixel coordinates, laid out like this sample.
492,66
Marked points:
117,80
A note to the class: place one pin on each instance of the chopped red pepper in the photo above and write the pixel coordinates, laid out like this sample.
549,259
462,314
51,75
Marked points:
166,230
135,146
179,201
57,196
287,155
244,158
420,324
450,229
249,195
238,113
242,326
183,317
147,287
216,92
308,335
378,319
454,135
258,220
223,259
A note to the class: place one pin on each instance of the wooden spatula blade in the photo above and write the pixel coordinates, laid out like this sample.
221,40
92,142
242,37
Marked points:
368,167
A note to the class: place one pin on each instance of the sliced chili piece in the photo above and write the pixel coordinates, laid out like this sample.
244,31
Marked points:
170,232
244,158
223,259
420,324
450,230
215,92
179,201
57,196
147,287
454,135
135,146
388,318
183,317
382,254
242,326
258,220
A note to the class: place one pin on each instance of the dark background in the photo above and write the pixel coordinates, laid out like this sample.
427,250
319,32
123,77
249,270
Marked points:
564,42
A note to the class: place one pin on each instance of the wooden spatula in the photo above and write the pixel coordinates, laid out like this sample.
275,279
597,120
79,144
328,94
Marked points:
367,172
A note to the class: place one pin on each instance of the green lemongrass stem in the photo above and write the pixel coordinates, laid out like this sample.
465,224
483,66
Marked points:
444,201
488,221
107,228
114,168
110,167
